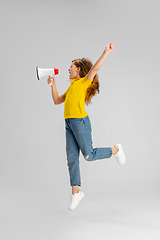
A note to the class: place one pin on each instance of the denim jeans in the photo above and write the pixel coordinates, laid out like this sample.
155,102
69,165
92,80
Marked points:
79,137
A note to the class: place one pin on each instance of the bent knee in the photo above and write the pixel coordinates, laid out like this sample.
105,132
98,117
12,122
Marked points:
86,157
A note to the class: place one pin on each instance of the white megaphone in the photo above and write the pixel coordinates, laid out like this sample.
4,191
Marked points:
44,72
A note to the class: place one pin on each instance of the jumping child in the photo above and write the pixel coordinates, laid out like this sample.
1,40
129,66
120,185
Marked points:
83,87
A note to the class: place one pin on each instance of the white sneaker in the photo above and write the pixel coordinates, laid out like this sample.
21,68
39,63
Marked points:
120,156
75,199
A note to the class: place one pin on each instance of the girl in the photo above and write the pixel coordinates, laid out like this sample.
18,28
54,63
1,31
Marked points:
83,87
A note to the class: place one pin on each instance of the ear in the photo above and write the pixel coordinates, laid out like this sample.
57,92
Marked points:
78,69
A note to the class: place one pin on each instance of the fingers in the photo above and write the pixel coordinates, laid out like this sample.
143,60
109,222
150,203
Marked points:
50,80
111,46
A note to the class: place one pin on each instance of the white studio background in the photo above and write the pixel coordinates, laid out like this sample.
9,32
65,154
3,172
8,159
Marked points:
33,167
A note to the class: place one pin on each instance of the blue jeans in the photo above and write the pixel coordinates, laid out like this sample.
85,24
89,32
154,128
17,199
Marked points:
79,137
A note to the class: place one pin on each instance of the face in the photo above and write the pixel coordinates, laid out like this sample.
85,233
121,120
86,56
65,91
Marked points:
73,71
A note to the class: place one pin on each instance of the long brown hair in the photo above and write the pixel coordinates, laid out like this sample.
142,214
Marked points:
85,65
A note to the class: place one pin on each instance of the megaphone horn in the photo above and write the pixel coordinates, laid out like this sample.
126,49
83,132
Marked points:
44,72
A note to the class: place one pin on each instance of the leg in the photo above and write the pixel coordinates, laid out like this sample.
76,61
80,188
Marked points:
75,189
114,150
72,150
82,132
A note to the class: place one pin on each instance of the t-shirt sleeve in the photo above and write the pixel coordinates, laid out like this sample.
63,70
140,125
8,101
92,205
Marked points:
66,90
87,82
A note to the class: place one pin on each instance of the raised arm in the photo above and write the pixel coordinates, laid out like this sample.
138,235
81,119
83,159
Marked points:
56,98
109,48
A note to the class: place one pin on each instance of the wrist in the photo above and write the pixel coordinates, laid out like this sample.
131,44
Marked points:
105,52
52,85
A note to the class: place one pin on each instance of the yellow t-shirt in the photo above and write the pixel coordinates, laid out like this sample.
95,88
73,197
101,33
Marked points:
75,98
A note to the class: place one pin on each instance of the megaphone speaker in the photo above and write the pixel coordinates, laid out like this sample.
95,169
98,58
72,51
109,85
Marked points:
45,72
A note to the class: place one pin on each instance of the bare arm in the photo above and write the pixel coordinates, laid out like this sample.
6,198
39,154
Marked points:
56,98
109,48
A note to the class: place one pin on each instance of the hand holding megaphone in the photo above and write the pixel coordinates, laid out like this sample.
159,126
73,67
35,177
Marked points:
50,80
44,72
